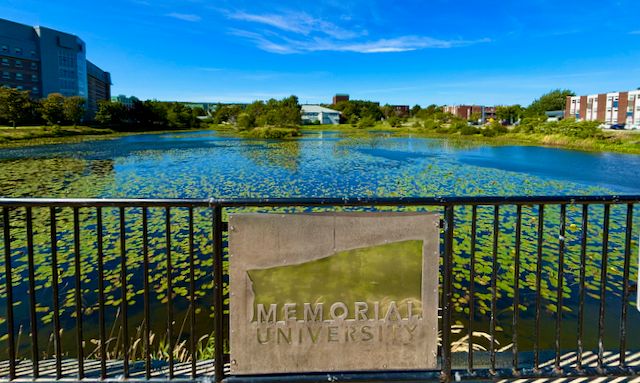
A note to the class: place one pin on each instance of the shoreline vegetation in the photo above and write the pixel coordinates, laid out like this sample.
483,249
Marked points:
57,119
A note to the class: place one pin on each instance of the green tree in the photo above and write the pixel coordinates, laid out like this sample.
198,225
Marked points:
245,121
510,113
74,109
415,110
554,100
15,106
52,108
111,113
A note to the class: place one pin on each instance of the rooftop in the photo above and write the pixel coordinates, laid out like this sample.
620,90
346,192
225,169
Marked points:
317,109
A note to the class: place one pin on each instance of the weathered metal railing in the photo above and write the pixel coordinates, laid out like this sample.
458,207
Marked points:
89,217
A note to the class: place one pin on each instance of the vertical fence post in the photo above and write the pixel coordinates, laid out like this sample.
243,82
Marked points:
560,292
9,287
603,286
35,354
78,291
494,287
218,294
536,344
625,287
446,292
472,276
583,268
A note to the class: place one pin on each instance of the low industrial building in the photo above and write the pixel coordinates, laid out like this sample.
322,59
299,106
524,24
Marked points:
609,108
316,114
44,61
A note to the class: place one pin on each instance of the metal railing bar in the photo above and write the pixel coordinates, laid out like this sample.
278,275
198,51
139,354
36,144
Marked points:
536,343
169,290
625,285
124,324
78,292
603,284
494,286
560,292
583,268
32,293
55,291
257,202
192,294
146,298
472,275
516,286
218,294
447,292
9,289
101,314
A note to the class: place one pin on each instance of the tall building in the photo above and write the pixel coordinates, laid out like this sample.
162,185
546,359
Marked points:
609,108
44,61
340,97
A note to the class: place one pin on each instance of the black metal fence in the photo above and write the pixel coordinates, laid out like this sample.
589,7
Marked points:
69,258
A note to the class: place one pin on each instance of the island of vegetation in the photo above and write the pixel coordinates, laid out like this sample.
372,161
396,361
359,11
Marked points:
59,119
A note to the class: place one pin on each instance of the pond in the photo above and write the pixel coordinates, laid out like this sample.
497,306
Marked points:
205,164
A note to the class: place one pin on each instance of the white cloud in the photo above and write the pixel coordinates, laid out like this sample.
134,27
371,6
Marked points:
299,32
300,23
635,32
279,44
184,16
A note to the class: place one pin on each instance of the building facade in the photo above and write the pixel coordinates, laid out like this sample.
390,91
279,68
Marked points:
401,110
340,97
316,114
465,112
609,108
44,61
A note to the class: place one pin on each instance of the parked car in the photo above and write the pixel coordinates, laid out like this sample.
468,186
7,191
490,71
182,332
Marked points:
617,126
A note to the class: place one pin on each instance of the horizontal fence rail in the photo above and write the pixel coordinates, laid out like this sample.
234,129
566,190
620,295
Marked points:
137,289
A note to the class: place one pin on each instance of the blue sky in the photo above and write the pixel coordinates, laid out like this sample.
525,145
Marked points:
399,52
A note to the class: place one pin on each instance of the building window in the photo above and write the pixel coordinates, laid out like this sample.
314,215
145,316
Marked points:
34,77
5,62
34,66
6,75
18,63
33,53
615,104
18,76
5,48
19,87
18,51
35,89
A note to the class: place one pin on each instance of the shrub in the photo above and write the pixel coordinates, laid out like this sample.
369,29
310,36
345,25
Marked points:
469,130
366,122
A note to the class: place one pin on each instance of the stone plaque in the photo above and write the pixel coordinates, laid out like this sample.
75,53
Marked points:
333,292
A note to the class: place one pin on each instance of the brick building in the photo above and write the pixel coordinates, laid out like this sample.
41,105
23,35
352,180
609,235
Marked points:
465,112
609,108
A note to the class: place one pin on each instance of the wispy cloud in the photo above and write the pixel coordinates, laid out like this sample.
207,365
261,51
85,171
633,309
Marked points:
635,32
299,32
284,45
300,23
184,16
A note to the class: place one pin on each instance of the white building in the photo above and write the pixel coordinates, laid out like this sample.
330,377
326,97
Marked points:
314,114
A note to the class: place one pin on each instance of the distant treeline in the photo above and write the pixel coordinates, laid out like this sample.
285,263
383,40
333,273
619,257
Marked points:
148,115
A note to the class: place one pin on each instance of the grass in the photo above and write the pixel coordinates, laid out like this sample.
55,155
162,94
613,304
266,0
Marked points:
46,135
42,135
